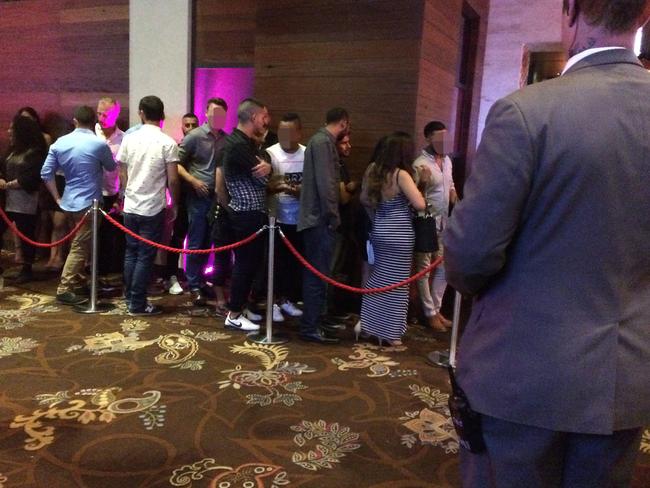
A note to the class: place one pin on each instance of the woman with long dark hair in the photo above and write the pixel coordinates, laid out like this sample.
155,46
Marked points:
20,179
389,191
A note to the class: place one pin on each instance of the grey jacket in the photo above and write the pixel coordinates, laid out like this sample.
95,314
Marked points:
553,238
319,193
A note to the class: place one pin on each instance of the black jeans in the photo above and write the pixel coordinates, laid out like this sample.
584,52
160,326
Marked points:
27,225
319,247
112,243
248,258
288,272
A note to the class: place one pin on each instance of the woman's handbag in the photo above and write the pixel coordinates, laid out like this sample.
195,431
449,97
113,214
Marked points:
426,232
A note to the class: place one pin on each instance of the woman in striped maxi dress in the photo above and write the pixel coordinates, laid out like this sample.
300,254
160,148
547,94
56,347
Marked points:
389,192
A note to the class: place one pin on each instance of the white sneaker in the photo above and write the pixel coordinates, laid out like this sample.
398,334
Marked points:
277,314
240,323
175,287
251,315
290,309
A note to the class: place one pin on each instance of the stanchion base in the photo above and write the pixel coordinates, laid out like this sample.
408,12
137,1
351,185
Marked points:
261,338
439,358
99,308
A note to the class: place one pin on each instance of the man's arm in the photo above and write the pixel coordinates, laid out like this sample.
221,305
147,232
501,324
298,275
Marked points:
173,184
485,221
327,182
186,152
220,187
48,170
106,158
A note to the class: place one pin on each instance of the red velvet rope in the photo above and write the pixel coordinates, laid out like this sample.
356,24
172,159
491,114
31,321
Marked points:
343,286
15,230
183,251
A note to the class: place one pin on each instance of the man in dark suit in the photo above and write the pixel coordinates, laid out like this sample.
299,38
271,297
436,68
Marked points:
552,240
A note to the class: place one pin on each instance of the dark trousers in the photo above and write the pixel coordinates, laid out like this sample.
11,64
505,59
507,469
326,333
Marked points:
197,237
520,455
139,257
27,225
111,242
288,272
248,258
178,236
319,245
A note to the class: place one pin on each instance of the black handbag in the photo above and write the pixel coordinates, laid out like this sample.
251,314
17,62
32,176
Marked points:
467,422
426,232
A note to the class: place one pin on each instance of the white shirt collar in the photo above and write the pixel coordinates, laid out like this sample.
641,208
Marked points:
582,55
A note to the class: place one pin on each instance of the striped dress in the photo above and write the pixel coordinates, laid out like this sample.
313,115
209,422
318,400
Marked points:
383,315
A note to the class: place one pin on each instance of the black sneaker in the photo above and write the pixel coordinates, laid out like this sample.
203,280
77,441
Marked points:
149,309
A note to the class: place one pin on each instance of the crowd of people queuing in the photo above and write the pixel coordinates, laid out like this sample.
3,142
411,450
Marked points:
213,188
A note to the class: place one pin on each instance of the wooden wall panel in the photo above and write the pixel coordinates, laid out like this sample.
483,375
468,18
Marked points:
58,54
440,52
362,55
225,32
392,64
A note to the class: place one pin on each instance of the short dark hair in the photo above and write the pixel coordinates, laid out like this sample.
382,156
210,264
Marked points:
292,117
152,107
190,115
217,101
616,16
336,115
247,108
85,116
433,126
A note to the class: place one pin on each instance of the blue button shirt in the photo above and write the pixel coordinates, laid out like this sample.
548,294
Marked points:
82,156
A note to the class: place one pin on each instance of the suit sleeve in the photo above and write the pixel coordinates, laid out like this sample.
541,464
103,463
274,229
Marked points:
327,183
485,222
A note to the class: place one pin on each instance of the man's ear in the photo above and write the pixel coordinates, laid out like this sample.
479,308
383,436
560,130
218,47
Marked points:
75,122
572,10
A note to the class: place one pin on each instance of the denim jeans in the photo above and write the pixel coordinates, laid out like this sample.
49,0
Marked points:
139,257
319,246
248,258
197,237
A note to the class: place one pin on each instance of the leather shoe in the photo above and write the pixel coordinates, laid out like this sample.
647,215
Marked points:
436,324
69,298
198,298
332,329
318,337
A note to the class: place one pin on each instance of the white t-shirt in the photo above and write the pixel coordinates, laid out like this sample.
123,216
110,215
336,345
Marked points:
111,179
146,154
290,166
437,191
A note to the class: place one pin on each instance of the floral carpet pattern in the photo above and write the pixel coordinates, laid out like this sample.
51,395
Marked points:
176,400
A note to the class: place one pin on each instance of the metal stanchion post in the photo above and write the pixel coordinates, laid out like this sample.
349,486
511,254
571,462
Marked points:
269,337
446,358
94,306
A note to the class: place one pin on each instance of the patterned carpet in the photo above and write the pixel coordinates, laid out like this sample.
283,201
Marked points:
178,401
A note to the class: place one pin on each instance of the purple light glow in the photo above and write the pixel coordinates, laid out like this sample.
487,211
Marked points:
208,270
231,84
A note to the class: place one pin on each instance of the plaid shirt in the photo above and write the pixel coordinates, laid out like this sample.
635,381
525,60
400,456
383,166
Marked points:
247,193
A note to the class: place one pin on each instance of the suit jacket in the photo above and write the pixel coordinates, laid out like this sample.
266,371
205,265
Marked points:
553,238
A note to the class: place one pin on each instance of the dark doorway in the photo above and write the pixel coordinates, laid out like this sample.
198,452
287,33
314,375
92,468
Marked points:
465,85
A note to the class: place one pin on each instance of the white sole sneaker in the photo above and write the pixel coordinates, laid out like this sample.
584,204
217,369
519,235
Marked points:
251,315
277,314
241,323
291,310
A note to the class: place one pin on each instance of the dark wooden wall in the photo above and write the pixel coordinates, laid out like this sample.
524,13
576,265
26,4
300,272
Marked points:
362,55
58,54
391,63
